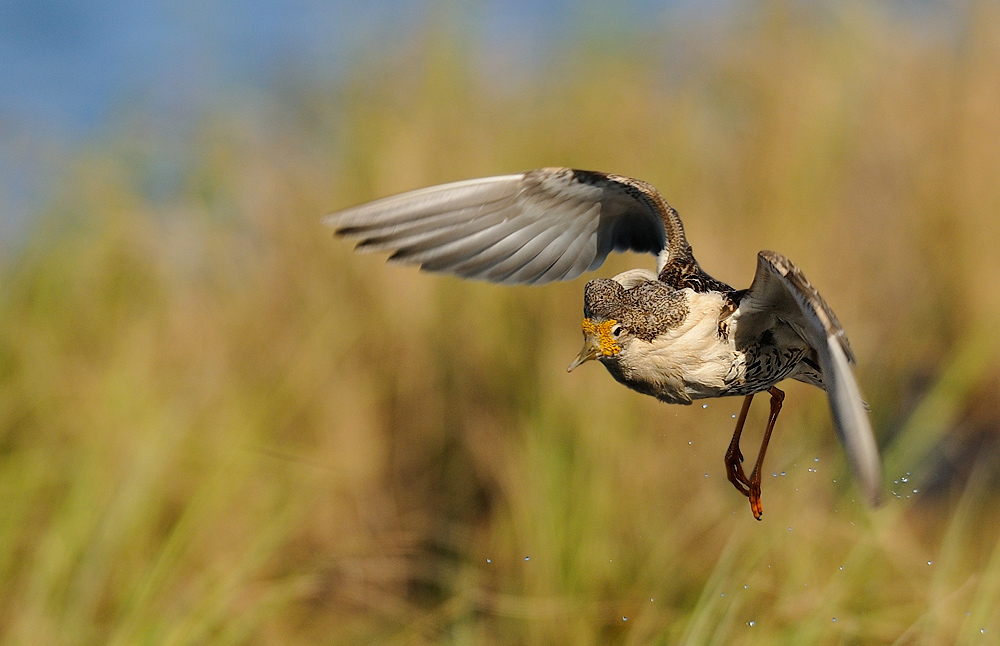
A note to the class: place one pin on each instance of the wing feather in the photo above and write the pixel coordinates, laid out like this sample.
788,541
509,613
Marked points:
533,227
781,291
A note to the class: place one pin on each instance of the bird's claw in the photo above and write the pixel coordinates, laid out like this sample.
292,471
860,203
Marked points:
754,495
735,473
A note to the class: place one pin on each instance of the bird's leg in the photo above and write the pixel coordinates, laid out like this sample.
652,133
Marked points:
734,470
777,397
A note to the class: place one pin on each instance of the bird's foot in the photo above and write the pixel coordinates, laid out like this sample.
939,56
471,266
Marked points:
754,495
734,457
734,470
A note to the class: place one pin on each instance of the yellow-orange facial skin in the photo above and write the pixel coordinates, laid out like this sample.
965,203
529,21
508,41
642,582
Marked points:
602,331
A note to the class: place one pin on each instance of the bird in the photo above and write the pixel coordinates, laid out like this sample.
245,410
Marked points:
676,334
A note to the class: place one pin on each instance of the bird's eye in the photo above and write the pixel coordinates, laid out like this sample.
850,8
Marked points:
616,330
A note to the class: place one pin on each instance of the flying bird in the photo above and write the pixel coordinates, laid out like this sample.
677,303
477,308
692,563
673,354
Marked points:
677,334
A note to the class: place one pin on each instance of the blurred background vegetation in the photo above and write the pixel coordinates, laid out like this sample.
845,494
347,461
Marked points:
219,425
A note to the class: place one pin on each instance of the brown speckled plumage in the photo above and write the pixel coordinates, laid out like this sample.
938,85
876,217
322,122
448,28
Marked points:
645,311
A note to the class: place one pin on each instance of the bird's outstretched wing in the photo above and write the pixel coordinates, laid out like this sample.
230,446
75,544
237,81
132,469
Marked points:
533,227
781,291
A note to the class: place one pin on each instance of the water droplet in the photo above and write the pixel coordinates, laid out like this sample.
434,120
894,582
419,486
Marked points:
982,631
841,567
689,442
723,594
624,618
651,599
750,623
744,587
815,459
789,529
733,415
489,560
527,558
834,619
905,479
930,562
782,473
706,475
915,490
704,405
774,475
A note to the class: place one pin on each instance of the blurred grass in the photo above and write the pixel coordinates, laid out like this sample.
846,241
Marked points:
219,425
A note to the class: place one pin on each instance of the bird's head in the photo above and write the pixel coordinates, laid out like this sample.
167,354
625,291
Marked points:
603,334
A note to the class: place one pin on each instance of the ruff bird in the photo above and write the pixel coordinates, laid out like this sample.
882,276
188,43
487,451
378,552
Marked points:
677,334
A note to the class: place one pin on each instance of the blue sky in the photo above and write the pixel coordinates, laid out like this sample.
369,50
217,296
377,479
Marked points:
72,66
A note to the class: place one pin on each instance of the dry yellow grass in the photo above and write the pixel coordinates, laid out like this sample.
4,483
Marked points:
219,425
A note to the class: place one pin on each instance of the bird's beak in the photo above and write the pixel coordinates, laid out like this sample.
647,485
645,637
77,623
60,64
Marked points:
591,350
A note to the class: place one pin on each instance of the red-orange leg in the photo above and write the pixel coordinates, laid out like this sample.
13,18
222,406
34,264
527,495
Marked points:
777,397
734,457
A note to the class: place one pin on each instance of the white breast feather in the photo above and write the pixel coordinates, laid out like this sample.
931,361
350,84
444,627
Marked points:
690,359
